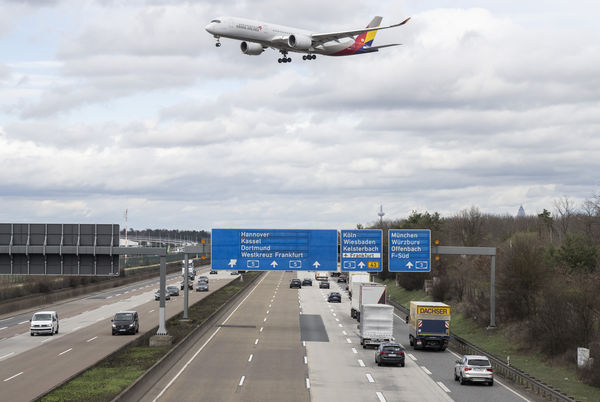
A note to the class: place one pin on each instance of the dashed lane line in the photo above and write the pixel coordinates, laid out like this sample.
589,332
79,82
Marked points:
412,357
10,378
66,351
380,396
242,380
425,370
250,358
361,363
370,377
91,339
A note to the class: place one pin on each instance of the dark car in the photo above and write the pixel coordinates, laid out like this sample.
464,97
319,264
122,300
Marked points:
125,322
296,283
203,279
173,290
233,273
474,368
157,295
389,353
334,297
323,285
342,279
202,287
213,272
190,284
307,282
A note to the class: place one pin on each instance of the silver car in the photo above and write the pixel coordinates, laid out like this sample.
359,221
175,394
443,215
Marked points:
473,368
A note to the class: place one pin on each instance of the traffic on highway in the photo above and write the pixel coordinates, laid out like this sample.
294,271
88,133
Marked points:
290,338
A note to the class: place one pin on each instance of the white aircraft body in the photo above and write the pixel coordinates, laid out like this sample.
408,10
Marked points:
256,36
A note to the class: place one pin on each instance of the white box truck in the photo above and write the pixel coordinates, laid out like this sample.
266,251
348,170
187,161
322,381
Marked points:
377,324
356,279
369,293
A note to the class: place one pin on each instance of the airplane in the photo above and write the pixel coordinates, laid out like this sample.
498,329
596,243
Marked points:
256,36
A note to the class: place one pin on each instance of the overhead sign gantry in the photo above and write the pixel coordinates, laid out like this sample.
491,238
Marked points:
274,249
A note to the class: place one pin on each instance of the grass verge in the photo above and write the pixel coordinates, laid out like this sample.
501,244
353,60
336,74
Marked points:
499,344
116,372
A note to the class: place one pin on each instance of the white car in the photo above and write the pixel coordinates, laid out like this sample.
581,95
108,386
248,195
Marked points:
473,368
44,322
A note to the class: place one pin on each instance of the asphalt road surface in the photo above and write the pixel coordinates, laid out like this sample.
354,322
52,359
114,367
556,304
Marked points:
31,365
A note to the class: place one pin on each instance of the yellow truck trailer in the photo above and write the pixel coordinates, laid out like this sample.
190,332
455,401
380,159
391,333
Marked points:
429,325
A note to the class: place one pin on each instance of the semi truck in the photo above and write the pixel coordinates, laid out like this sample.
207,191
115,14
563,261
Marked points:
377,324
191,270
366,293
357,277
429,325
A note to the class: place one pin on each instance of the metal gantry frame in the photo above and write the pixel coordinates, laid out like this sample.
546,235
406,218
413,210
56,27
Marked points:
490,251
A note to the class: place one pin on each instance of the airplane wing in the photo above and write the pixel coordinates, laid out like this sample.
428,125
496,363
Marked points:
336,36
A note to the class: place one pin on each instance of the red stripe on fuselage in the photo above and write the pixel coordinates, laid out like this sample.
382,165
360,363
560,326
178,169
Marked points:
355,47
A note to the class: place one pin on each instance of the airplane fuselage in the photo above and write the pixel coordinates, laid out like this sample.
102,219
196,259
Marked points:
272,35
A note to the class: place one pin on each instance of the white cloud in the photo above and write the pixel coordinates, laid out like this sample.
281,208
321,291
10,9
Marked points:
476,108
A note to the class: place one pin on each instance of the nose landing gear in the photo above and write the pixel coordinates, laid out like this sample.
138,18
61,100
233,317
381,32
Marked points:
218,44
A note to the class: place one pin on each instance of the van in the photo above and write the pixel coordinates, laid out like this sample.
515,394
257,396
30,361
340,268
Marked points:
126,322
44,322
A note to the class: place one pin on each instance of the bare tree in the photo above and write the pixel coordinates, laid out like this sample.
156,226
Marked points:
564,214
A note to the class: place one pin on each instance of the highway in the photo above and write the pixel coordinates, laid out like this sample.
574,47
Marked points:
291,344
31,365
275,344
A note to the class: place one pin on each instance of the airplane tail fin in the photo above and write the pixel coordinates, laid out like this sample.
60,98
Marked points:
365,40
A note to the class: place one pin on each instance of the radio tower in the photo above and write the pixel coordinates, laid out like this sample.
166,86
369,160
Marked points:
381,213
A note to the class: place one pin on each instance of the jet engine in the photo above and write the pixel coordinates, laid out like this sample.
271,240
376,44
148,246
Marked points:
251,48
302,42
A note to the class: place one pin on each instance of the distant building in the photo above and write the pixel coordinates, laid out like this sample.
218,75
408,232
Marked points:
521,213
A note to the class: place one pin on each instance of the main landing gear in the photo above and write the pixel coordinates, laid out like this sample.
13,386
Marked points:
284,59
309,57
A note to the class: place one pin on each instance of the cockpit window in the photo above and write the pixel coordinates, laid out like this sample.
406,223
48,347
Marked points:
217,21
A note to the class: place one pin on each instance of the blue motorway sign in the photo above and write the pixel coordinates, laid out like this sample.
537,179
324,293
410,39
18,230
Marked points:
361,250
409,250
274,249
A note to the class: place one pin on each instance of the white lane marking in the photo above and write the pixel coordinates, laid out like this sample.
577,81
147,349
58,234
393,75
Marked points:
265,320
267,311
307,383
370,377
242,381
108,297
412,357
305,360
269,306
361,363
304,343
334,314
99,319
66,351
425,370
151,311
91,339
3,328
206,343
337,319
11,353
8,318
250,358
261,329
348,340
46,340
256,341
23,322
354,351
340,325
127,291
10,378
118,294
344,332
441,384
380,396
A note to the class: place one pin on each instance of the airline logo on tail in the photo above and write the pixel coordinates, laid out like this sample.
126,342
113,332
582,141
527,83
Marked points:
364,41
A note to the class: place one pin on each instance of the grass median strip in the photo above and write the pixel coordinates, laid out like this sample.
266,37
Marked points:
113,374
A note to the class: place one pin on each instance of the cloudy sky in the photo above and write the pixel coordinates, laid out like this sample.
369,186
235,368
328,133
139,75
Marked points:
109,105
